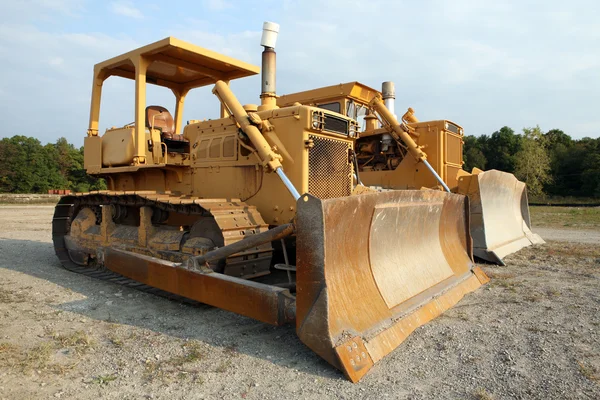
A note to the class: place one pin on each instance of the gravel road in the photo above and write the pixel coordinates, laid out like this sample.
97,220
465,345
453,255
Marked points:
533,332
570,235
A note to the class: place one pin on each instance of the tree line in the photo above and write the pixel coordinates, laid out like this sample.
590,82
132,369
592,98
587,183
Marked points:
550,163
27,166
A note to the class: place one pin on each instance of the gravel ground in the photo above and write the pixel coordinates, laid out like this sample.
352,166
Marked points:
570,235
533,332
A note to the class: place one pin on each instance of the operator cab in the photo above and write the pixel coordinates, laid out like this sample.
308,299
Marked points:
156,137
349,99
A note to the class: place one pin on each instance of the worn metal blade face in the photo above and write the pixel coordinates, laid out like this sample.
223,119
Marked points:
371,268
500,223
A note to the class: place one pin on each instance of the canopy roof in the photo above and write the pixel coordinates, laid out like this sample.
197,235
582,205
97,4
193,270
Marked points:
177,64
352,90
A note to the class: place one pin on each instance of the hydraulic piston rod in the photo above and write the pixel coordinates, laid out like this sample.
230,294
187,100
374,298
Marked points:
399,131
269,158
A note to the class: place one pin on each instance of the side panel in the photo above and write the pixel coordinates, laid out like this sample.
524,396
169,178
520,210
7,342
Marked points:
92,154
316,163
118,147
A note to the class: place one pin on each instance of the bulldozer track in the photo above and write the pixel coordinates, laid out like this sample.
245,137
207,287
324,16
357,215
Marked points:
68,207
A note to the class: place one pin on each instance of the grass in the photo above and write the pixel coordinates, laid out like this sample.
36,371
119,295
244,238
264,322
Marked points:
79,341
36,358
192,354
175,367
8,296
503,280
589,372
223,367
103,379
558,200
578,250
505,284
115,341
482,394
500,275
565,217
534,297
39,357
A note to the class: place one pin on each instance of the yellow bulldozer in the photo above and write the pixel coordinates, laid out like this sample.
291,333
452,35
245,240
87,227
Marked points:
413,154
259,212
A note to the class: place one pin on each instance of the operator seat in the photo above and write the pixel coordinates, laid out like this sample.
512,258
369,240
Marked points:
158,117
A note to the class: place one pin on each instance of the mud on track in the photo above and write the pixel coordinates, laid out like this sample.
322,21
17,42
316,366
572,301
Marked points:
532,333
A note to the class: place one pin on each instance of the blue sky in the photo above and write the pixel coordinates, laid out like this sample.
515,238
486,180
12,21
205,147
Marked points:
483,64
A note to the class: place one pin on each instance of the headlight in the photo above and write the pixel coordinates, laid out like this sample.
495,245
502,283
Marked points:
317,120
352,130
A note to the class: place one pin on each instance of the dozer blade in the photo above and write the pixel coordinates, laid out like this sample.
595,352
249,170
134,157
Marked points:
374,267
500,223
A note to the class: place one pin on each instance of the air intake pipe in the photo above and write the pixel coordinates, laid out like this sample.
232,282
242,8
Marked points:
268,94
388,92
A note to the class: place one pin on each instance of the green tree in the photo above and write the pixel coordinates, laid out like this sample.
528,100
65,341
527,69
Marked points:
576,169
28,167
532,164
590,175
558,145
80,180
473,154
25,166
501,148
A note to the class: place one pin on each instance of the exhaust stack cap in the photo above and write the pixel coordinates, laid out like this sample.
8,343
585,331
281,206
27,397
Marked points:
269,34
388,90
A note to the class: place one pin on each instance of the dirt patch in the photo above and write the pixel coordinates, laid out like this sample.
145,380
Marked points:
533,332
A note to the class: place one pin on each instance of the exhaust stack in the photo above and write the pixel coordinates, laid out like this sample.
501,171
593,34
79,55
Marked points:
388,91
268,96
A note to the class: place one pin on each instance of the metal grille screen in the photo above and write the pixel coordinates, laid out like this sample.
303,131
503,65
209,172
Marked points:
329,170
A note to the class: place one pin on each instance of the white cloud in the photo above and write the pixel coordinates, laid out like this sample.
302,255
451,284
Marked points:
481,64
56,61
217,5
68,7
27,10
53,95
125,8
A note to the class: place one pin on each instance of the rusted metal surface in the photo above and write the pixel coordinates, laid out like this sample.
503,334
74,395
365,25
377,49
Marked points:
500,223
265,303
232,221
373,267
251,241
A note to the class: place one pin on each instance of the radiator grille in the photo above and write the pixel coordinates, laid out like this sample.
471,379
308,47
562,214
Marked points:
329,169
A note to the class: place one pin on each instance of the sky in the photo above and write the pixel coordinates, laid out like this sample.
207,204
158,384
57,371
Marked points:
482,64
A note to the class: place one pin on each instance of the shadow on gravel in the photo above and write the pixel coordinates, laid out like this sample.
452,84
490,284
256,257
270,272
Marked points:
110,302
